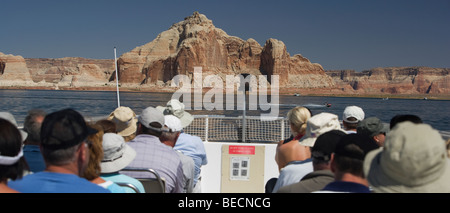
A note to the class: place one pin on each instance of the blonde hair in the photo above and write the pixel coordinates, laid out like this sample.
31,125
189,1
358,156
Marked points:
297,117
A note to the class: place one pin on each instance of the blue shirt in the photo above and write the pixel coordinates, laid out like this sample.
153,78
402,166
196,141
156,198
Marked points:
121,178
33,157
52,182
344,186
192,146
152,154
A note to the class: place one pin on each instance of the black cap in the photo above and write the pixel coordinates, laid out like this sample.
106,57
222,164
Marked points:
63,129
355,146
325,144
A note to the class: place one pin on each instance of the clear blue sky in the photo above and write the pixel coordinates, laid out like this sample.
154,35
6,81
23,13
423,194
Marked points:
338,34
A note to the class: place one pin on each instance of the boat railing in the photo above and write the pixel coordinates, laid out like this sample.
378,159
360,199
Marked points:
215,128
219,128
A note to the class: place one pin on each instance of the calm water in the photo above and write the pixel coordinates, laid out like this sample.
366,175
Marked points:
101,103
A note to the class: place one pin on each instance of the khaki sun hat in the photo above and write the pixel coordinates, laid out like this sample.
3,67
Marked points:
125,120
413,160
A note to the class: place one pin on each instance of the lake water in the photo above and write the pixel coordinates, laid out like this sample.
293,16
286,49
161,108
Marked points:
101,103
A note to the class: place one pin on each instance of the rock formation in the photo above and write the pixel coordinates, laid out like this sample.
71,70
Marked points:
71,71
197,42
394,80
13,70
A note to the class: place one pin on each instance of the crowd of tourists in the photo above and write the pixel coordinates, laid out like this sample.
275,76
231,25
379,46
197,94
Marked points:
61,152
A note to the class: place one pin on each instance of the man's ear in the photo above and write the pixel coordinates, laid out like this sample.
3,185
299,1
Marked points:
332,163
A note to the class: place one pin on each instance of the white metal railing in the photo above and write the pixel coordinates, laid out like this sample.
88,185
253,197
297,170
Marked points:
214,128
229,129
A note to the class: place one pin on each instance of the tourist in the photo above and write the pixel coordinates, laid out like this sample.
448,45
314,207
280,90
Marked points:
117,155
351,116
125,120
347,164
170,139
66,154
374,128
413,160
295,157
12,162
152,154
189,145
93,169
404,117
31,151
297,118
321,156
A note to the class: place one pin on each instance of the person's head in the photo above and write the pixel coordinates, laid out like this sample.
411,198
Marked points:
413,160
176,108
349,154
108,126
93,168
150,122
297,118
324,147
125,120
10,117
64,141
116,153
401,118
32,125
319,124
12,162
351,116
374,128
174,125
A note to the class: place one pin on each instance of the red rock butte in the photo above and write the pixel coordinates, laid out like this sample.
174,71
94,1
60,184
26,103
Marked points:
196,42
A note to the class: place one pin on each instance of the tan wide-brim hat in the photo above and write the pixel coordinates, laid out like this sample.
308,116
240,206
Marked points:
317,125
125,120
413,160
176,108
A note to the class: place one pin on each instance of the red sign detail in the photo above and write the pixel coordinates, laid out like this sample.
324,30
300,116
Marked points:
241,150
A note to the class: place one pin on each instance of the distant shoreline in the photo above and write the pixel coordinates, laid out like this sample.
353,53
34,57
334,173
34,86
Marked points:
290,91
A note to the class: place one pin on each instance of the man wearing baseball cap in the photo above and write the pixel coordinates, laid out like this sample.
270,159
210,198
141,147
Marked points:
351,117
152,154
65,150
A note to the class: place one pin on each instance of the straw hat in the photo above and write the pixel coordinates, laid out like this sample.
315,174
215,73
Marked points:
319,124
413,159
116,153
176,108
125,120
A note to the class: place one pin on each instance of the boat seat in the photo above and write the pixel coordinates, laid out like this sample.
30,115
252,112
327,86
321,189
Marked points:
129,185
151,185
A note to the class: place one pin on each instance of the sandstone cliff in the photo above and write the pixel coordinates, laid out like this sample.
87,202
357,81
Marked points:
75,72
13,70
394,80
197,42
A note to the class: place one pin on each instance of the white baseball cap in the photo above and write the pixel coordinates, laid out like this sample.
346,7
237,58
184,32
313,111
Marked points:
353,111
150,115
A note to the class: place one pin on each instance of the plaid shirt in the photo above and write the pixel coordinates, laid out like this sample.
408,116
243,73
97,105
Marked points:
152,154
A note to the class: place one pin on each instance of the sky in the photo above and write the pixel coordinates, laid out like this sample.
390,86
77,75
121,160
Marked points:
338,34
